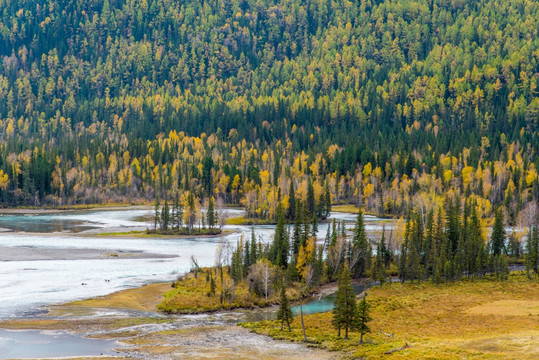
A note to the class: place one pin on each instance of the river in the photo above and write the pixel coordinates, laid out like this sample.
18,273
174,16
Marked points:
43,256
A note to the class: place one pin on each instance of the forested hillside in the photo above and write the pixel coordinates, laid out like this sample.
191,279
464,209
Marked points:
386,103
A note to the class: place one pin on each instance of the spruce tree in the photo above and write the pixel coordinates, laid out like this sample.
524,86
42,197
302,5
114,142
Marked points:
292,201
165,217
254,252
413,265
212,286
311,205
156,215
314,231
345,309
532,252
360,247
363,317
380,267
176,212
211,213
498,233
247,255
334,233
296,235
403,258
279,249
327,199
285,312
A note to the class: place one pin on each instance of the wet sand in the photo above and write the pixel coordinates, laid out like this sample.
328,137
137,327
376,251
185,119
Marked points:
36,254
216,342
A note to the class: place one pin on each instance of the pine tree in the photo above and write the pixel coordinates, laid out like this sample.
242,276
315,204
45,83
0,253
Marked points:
207,177
474,243
211,213
345,309
380,267
360,247
453,226
285,312
156,215
296,235
254,252
481,261
532,252
314,231
363,317
311,205
247,255
212,286
176,212
413,265
165,217
498,233
334,233
429,246
327,199
403,258
279,249
292,201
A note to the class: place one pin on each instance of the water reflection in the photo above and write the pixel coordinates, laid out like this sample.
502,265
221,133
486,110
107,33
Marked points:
37,223
36,343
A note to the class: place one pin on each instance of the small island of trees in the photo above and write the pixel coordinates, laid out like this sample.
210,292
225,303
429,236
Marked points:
184,217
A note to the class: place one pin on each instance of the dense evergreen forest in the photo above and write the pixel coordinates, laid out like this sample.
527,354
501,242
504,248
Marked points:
389,104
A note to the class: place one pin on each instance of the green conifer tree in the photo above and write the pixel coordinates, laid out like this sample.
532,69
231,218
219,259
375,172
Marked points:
210,215
498,233
360,247
363,317
285,312
345,309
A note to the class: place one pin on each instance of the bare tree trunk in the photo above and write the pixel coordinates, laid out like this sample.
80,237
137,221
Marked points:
266,280
302,323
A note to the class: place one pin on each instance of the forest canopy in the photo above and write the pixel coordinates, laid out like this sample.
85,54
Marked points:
377,101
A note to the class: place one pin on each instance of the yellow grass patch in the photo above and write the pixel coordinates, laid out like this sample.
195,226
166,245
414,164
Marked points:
437,322
507,308
348,208
192,294
145,298
240,220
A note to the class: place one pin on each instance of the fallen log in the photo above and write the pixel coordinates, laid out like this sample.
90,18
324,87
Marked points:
406,346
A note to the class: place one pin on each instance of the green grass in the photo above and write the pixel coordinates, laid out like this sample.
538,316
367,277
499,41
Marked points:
444,322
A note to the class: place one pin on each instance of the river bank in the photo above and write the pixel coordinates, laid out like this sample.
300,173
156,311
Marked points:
128,320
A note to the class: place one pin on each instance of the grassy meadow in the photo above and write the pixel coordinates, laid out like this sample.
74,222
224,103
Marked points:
485,319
